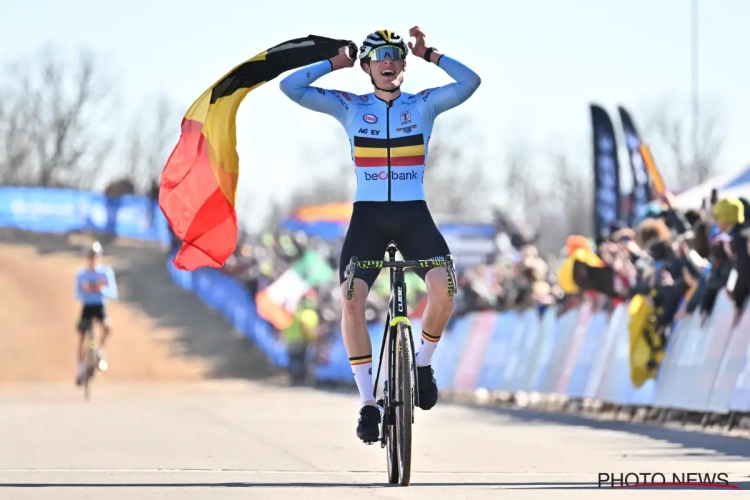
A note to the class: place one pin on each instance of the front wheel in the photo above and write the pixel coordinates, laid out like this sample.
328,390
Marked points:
404,385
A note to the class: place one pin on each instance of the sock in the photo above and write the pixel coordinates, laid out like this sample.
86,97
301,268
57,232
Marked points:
81,367
100,352
429,343
362,370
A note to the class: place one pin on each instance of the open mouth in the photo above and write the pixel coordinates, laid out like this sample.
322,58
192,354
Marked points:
387,72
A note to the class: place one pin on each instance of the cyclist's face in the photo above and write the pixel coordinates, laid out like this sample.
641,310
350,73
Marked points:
386,71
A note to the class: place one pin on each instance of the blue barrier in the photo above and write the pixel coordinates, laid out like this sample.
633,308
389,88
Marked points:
48,210
226,296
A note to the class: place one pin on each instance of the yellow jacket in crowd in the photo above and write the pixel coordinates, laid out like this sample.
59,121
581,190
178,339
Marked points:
579,249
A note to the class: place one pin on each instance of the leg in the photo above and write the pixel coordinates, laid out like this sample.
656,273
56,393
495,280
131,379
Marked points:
103,320
363,241
423,240
84,323
357,338
436,314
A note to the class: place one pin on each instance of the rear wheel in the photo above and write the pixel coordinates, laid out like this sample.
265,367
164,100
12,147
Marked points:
405,397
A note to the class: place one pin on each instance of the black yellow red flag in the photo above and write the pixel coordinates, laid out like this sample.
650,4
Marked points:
198,187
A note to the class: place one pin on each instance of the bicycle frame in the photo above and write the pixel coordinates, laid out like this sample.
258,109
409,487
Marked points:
397,312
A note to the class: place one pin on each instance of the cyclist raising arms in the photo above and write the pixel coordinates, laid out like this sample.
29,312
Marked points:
389,131
94,284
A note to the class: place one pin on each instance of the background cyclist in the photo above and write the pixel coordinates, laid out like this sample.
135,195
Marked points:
95,283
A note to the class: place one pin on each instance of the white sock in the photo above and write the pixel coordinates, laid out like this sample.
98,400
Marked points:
81,367
427,349
362,370
100,352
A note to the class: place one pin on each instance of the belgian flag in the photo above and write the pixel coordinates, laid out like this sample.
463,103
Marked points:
199,182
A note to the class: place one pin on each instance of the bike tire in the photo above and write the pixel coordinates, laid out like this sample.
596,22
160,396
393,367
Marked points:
389,426
405,397
90,366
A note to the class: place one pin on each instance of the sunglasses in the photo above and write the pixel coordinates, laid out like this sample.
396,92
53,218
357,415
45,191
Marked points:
381,53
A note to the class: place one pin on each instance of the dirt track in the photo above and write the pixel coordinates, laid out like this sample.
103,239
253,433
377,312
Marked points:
160,332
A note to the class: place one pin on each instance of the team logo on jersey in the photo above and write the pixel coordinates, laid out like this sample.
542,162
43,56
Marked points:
405,117
370,118
406,130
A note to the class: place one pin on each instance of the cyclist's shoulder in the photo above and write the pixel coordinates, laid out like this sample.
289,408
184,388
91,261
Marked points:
105,269
355,99
420,97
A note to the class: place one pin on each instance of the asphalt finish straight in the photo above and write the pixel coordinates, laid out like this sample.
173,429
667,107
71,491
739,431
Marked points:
236,439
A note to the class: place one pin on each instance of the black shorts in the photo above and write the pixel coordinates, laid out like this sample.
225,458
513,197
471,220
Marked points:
90,313
374,224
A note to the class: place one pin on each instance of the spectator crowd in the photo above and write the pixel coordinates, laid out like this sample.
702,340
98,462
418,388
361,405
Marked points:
680,260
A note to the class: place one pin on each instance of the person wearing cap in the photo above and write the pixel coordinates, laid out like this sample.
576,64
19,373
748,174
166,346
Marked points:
95,284
729,214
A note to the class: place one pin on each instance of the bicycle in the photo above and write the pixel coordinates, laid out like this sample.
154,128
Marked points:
91,361
400,386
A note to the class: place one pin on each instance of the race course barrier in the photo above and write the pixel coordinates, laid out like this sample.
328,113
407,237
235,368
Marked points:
50,210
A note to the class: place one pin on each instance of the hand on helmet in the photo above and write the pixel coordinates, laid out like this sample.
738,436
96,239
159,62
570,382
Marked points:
343,59
418,48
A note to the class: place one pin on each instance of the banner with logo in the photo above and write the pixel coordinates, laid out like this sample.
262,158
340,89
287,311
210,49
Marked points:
48,210
641,194
606,172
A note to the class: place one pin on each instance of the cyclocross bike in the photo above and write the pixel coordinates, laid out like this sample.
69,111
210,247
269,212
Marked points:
400,388
91,360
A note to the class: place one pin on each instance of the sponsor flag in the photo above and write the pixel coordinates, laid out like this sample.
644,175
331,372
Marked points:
199,182
648,159
641,194
606,172
277,302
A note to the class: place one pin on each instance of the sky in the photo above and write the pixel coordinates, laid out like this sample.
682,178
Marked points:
542,62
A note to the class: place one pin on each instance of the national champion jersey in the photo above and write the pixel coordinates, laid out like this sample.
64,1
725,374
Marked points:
389,141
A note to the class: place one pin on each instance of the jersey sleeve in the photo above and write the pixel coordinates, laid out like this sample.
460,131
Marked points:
79,285
110,289
441,99
297,87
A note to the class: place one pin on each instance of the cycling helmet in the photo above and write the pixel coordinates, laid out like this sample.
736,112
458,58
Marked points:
381,38
94,249
381,44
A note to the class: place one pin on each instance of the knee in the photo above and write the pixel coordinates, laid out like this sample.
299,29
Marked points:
437,289
356,305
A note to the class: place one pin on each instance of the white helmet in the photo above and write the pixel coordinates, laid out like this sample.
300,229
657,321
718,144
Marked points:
381,38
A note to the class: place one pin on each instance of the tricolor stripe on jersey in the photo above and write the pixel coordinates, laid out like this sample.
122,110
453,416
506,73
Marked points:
406,151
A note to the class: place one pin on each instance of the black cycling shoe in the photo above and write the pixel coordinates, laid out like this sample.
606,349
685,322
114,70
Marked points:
368,428
428,391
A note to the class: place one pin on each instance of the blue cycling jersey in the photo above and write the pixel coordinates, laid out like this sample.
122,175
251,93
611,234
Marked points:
102,274
389,141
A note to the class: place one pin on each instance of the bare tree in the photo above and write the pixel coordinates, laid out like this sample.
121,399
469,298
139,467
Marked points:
455,183
683,159
51,135
150,141
522,181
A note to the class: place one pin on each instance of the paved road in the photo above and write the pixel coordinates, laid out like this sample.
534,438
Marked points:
227,440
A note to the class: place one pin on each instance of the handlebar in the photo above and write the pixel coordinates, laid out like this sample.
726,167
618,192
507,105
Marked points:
400,264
